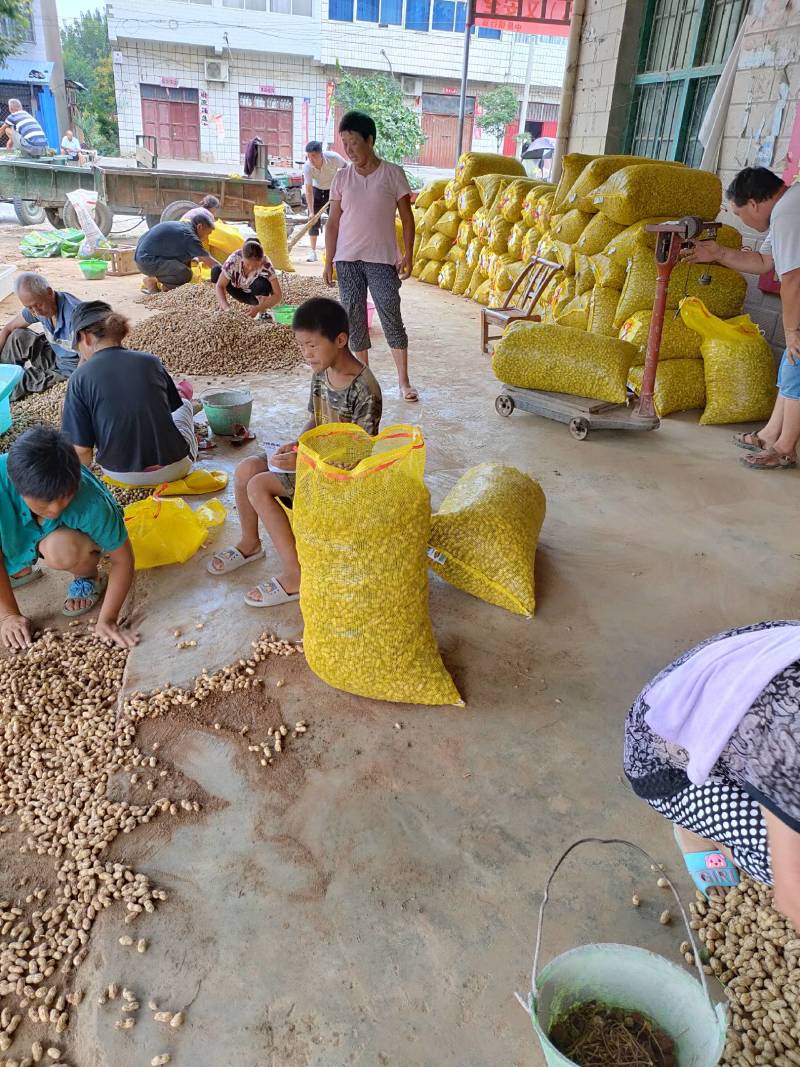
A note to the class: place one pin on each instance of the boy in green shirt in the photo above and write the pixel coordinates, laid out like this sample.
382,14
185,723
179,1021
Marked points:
54,508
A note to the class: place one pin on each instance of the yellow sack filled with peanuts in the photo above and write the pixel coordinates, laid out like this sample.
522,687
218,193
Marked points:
559,359
498,234
463,276
361,520
631,193
571,166
738,363
680,385
448,224
429,193
678,341
465,234
436,247
419,266
543,212
513,197
624,245
447,276
607,272
723,294
469,200
456,254
472,165
602,309
584,275
271,230
491,187
529,204
474,249
518,233
450,194
575,313
480,223
432,216
483,294
483,538
430,272
570,226
530,243
597,233
599,170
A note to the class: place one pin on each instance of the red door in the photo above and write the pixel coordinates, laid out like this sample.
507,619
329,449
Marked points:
272,119
441,132
172,116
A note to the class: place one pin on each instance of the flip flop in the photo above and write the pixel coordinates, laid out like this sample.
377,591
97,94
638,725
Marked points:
231,559
241,436
709,870
272,595
409,394
90,589
740,440
25,579
773,461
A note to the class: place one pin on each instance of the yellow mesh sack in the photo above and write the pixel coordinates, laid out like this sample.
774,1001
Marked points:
575,313
430,272
432,215
483,293
571,166
623,246
469,200
516,237
455,255
497,296
361,520
559,359
545,301
419,266
436,247
607,271
581,195
529,206
450,194
507,274
429,193
570,226
563,253
738,363
447,276
480,222
584,275
724,296
498,234
462,279
474,249
398,236
271,230
513,196
543,211
678,341
530,243
224,240
465,234
490,187
476,281
483,538
472,165
485,260
597,234
562,293
602,309
448,224
630,193
419,215
680,385
499,262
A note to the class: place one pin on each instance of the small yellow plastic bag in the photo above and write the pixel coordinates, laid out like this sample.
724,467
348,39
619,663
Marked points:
165,531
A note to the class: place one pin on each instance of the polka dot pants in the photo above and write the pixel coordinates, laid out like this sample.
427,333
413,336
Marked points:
724,813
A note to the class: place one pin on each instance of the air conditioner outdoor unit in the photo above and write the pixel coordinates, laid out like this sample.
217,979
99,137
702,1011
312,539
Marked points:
216,70
411,86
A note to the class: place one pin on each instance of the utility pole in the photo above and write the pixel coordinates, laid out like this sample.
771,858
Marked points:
523,111
462,100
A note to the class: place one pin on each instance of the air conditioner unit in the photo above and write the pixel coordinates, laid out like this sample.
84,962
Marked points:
411,86
216,70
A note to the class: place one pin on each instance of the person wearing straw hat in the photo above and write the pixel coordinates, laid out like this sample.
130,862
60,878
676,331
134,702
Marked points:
713,744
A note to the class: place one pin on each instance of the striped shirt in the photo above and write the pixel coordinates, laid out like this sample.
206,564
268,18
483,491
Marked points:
29,130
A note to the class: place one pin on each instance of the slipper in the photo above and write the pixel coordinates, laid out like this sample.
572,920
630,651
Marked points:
740,440
90,589
241,436
773,461
231,559
272,595
25,579
709,870
204,445
409,394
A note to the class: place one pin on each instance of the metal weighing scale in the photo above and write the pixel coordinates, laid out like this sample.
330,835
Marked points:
583,414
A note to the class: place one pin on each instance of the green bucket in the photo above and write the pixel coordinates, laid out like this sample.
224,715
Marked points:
227,410
623,976
284,313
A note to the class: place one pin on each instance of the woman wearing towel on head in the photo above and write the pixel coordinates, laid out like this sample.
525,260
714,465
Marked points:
125,406
713,744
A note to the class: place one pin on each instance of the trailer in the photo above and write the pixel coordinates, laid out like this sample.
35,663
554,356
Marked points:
38,190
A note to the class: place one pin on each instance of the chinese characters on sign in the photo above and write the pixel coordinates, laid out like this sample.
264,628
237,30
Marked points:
203,107
169,83
267,90
549,17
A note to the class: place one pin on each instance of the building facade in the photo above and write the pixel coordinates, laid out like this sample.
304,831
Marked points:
205,77
35,73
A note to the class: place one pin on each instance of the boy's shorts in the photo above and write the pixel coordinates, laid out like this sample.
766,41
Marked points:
287,480
789,378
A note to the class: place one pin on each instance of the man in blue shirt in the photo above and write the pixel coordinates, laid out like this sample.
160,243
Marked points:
24,132
165,253
47,357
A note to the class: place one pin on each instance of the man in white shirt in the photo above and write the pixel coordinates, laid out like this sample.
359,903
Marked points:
318,174
71,146
765,203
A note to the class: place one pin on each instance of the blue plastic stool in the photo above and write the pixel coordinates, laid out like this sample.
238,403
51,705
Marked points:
10,374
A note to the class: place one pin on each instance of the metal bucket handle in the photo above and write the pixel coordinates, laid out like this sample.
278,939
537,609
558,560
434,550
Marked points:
546,896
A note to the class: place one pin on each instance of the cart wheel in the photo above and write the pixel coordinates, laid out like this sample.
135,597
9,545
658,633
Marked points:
175,211
579,428
28,213
102,216
504,405
54,217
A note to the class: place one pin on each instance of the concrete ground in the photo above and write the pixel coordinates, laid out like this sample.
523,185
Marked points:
376,902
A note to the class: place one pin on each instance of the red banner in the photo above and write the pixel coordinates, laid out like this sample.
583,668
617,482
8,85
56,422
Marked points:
546,17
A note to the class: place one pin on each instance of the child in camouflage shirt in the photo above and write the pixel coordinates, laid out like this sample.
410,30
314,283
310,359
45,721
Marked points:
342,390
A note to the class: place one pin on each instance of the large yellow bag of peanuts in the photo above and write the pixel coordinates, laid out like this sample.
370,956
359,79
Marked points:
472,165
738,364
491,187
513,197
271,230
600,170
469,200
483,538
680,385
361,520
450,194
597,234
571,166
602,309
429,193
570,226
560,359
678,341
631,193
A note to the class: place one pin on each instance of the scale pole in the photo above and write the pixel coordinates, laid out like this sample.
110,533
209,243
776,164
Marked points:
462,99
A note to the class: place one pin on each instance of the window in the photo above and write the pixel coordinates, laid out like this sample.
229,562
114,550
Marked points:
257,5
492,35
9,27
341,10
683,50
444,14
392,12
418,15
461,17
302,7
367,10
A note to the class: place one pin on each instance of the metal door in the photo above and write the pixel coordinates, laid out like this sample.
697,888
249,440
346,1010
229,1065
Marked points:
272,119
172,116
441,133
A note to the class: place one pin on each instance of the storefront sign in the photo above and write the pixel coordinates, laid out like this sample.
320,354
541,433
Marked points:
548,17
267,90
169,83
203,107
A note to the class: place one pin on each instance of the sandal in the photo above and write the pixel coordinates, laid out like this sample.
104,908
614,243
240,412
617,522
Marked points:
709,870
768,460
409,394
231,559
241,436
272,595
755,444
90,589
25,579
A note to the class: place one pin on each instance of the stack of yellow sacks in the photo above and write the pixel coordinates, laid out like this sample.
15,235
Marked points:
594,226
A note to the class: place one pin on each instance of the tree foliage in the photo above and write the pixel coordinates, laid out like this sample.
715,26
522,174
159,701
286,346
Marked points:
14,19
87,59
499,108
400,135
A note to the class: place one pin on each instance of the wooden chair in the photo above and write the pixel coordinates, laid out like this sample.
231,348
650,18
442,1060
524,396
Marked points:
535,277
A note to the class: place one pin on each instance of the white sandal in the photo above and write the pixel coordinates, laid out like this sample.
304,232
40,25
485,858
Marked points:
231,559
272,595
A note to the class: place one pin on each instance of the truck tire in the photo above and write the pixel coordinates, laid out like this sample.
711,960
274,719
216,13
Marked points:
102,216
28,213
152,220
54,217
175,211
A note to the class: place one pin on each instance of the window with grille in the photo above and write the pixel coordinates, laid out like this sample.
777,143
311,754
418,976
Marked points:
9,26
684,47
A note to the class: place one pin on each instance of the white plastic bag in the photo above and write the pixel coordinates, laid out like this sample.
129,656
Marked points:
84,200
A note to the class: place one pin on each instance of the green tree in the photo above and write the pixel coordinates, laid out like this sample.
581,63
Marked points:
14,19
400,135
87,59
499,108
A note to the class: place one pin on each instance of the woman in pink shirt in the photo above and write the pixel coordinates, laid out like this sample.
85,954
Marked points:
360,241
